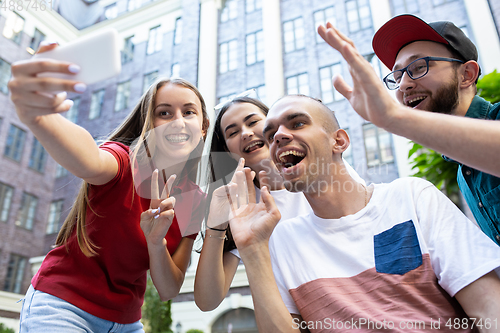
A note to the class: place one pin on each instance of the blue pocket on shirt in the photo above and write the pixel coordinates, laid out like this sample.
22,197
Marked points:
397,250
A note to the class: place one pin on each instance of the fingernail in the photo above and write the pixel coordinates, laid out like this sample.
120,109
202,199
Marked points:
80,87
154,211
157,216
69,102
74,68
62,95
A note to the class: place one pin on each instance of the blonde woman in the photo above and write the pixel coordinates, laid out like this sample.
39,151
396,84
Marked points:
95,278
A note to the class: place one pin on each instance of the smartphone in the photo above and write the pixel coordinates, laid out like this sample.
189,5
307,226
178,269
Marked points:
98,56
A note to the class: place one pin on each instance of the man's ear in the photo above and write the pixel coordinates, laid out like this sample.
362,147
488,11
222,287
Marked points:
342,141
469,74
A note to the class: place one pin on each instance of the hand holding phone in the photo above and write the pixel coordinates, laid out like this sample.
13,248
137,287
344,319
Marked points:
98,56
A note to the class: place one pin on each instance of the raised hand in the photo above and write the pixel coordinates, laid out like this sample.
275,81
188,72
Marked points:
368,95
36,96
220,204
156,221
251,223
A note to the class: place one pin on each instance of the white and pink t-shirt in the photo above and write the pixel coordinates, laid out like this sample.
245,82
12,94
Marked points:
401,258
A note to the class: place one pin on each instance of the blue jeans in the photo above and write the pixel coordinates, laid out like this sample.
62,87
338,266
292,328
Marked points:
42,312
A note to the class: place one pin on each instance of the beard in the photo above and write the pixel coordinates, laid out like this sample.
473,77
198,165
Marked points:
445,100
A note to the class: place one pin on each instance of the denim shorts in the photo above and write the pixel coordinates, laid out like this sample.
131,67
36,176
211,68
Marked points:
42,312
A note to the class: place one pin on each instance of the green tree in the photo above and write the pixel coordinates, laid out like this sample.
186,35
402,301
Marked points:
4,329
489,87
156,315
431,166
194,331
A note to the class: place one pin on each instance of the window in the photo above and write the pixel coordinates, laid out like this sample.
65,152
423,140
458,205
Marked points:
133,4
38,36
226,98
54,216
149,79
122,94
176,70
255,47
111,11
6,193
4,76
228,53
328,92
253,5
378,145
27,210
72,114
14,27
373,60
96,104
178,31
404,6
15,274
15,143
155,41
128,50
321,17
440,2
38,156
358,15
261,93
294,34
230,11
298,84
347,154
60,171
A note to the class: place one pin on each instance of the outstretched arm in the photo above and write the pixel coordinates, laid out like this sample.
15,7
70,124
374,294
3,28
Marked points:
38,106
252,225
470,141
481,300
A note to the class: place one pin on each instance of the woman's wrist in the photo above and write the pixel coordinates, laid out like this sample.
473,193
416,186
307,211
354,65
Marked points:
218,228
215,226
216,233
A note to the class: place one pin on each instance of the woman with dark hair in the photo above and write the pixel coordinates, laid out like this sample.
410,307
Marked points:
238,136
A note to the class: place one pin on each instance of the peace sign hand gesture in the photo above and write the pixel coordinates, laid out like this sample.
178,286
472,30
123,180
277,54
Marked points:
156,221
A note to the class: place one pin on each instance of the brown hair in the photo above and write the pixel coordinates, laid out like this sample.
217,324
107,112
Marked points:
138,124
223,164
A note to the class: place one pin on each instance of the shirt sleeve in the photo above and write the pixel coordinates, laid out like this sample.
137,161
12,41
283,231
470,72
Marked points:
120,152
460,252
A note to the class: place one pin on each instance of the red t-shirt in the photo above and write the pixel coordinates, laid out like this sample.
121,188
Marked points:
111,285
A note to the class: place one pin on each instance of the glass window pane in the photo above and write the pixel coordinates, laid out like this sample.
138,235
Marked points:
178,31
4,76
6,193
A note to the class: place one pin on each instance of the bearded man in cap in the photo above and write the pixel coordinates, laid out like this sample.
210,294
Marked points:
434,68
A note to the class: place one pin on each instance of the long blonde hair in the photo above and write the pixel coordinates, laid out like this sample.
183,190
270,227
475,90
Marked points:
138,124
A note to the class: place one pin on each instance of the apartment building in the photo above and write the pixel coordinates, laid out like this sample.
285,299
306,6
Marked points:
223,47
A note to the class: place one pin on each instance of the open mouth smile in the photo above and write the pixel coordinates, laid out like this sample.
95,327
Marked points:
414,102
253,146
177,138
290,158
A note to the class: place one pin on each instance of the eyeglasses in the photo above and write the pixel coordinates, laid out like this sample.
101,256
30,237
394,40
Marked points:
248,93
415,70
